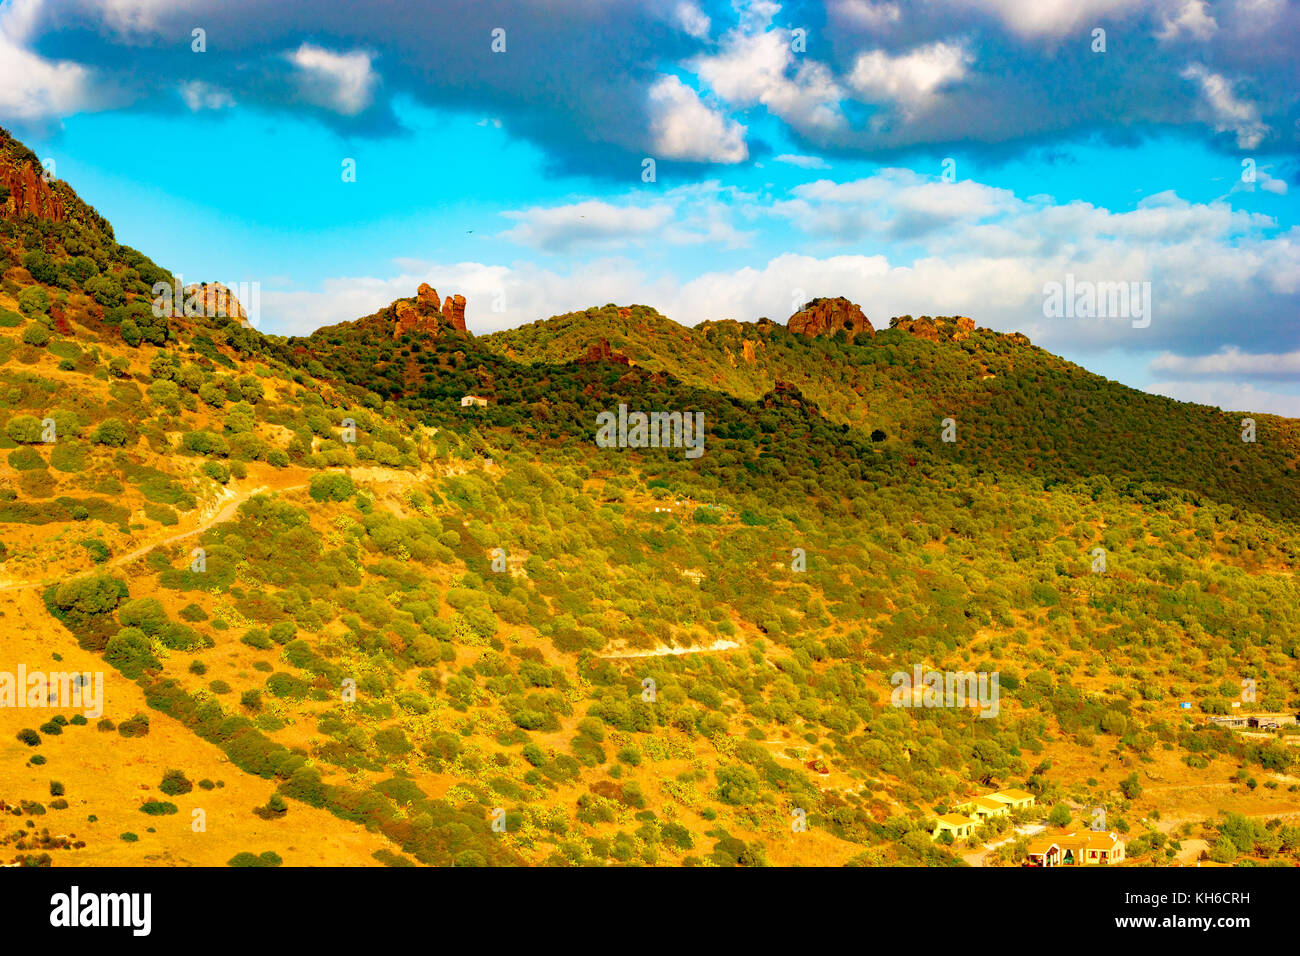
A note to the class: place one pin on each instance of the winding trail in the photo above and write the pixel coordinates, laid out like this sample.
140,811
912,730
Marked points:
224,513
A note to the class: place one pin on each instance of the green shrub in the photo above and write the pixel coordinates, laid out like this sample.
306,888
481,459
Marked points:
174,782
36,334
25,429
111,432
331,486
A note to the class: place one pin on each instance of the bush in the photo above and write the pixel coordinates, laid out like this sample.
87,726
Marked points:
111,431
174,782
26,458
332,486
29,737
25,429
130,652
158,808
205,443
137,726
33,301
37,335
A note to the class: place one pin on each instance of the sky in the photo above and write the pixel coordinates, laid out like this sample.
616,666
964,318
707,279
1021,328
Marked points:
713,160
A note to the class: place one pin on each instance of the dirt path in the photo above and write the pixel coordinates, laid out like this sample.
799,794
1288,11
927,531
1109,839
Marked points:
224,513
674,651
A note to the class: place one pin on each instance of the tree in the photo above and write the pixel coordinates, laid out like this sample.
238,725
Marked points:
1060,816
111,432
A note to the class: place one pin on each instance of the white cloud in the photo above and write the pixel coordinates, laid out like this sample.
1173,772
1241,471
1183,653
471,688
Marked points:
562,228
1192,18
342,82
1227,363
758,66
686,215
203,96
1052,18
683,127
869,14
803,162
33,88
692,20
1230,397
911,80
1227,113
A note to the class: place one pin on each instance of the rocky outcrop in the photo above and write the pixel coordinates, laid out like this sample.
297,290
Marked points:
750,354
941,328
786,395
25,192
828,316
215,300
454,309
426,315
601,352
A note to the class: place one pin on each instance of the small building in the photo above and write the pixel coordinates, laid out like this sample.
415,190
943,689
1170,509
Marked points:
959,826
1013,799
471,400
1272,721
984,808
1086,848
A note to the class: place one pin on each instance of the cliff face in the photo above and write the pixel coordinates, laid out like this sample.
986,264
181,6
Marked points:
26,193
828,316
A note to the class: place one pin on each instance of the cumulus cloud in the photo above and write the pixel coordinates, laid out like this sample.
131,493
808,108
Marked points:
1229,363
33,88
563,228
1053,18
692,19
342,82
581,103
757,65
199,95
685,128
1227,112
1230,397
1192,19
910,80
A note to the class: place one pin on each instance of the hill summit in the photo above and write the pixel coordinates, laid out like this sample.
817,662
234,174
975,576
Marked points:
825,316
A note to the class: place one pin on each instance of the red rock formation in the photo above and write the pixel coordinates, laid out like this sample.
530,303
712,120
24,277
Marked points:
828,316
425,314
941,328
750,354
601,352
454,309
30,194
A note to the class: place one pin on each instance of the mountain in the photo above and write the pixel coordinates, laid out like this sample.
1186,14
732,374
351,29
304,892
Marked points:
353,620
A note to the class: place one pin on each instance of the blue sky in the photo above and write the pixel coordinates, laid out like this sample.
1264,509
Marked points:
951,157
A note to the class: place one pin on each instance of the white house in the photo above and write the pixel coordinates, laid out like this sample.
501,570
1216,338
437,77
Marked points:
469,400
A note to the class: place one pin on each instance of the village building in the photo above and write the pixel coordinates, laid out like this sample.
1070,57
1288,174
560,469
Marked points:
470,400
966,817
959,826
1086,848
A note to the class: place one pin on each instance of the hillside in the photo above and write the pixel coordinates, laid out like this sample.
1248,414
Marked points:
355,622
